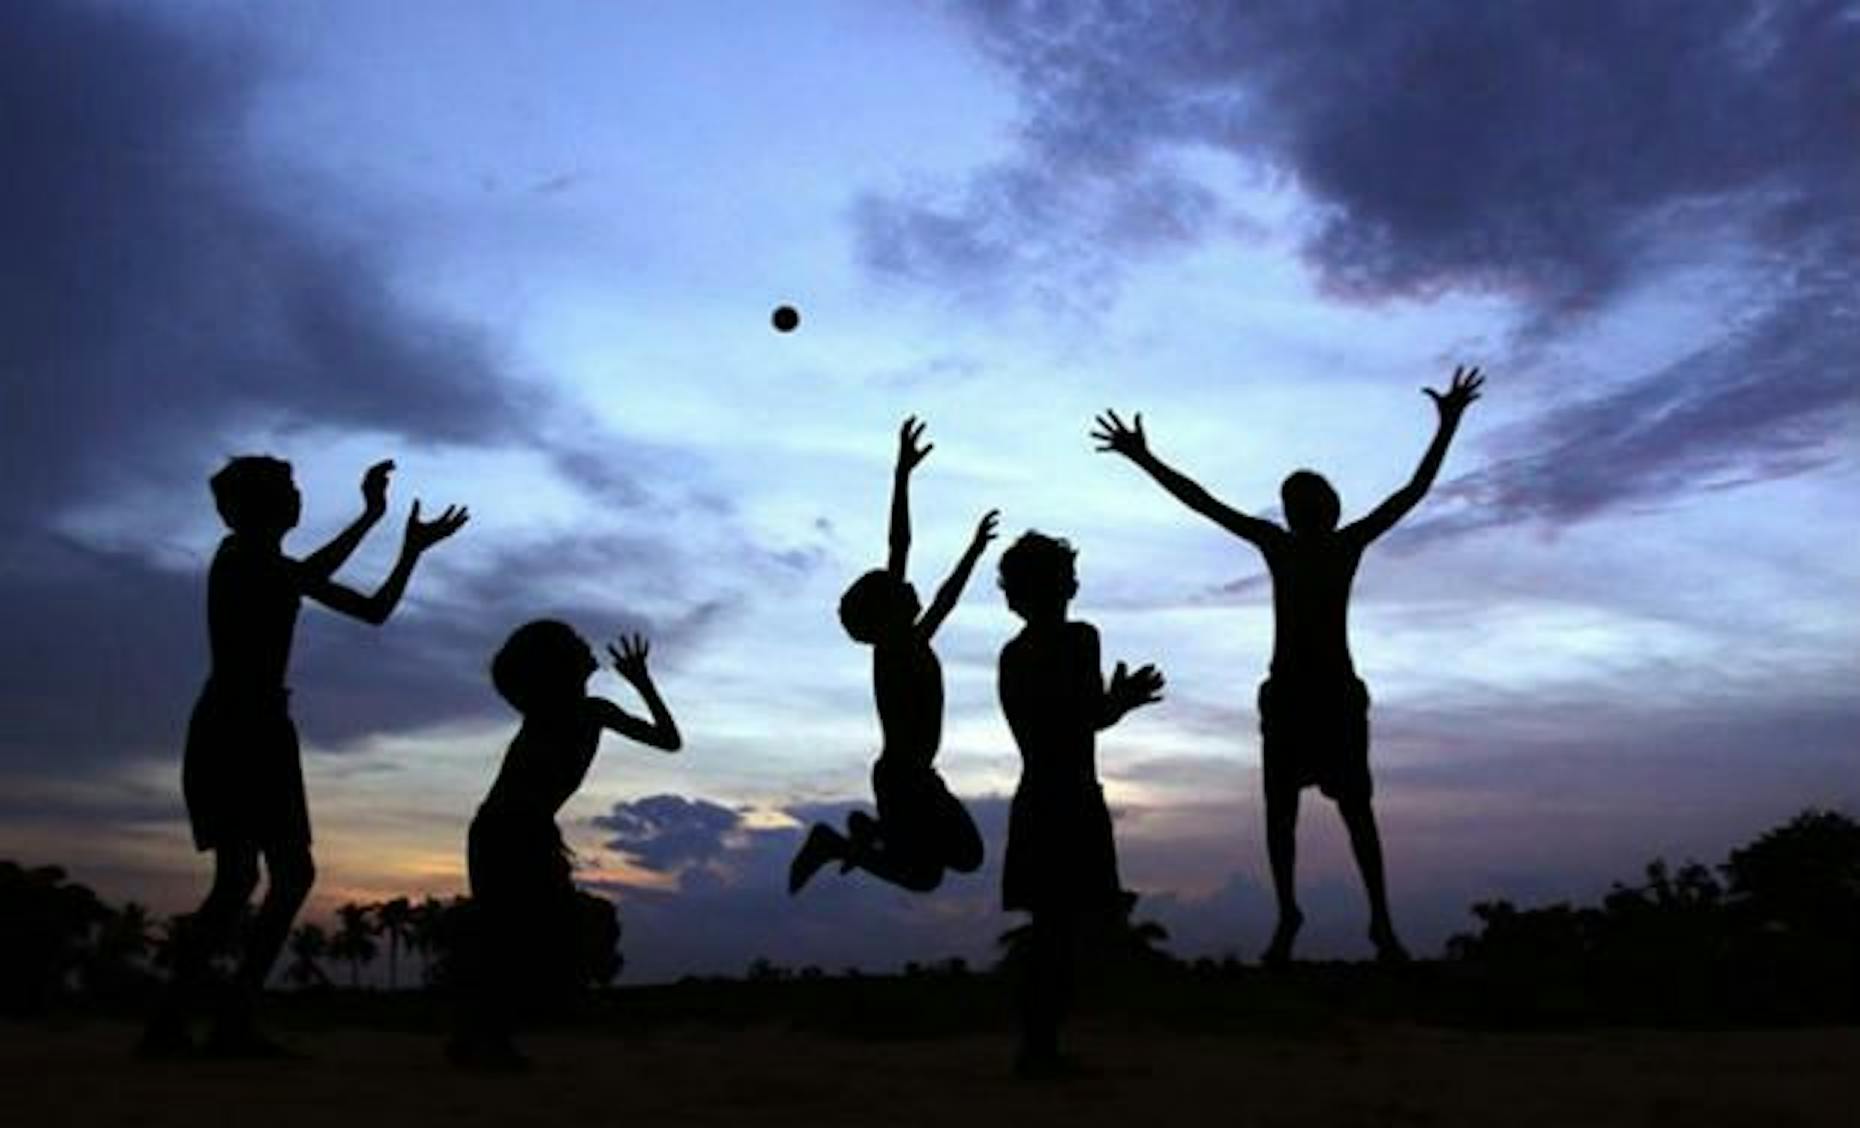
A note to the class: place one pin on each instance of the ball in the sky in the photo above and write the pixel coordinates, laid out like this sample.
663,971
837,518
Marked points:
785,318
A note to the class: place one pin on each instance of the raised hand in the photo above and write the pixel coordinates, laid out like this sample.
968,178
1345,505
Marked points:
375,485
629,655
984,530
1113,435
422,535
1460,393
909,453
1134,690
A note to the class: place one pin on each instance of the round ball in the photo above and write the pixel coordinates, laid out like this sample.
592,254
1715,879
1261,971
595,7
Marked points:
785,318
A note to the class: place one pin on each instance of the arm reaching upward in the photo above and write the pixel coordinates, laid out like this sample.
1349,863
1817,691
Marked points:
951,591
909,455
1451,404
1129,441
375,609
324,561
629,656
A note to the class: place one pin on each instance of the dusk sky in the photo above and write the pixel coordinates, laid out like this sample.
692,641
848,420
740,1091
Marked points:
529,251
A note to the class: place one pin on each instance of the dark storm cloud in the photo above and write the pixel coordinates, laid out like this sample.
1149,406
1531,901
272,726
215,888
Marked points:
160,303
1562,153
668,833
155,304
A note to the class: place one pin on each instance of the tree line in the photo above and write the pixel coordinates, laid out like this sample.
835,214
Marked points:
1772,933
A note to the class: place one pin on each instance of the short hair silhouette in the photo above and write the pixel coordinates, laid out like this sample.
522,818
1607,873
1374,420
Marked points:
1311,505
249,491
541,661
869,603
1038,569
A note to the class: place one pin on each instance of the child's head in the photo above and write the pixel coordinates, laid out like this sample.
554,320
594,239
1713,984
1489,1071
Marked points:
878,604
1039,576
1311,506
255,494
542,663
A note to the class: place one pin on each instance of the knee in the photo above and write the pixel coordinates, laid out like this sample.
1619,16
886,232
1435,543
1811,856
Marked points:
235,876
292,875
966,858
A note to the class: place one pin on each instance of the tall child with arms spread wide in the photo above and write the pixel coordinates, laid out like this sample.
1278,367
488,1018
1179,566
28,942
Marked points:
921,830
1313,709
528,912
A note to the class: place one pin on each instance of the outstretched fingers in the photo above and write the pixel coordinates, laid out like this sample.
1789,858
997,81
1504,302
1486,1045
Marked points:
1113,434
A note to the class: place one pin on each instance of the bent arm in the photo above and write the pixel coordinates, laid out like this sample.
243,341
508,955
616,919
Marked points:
325,561
660,732
372,609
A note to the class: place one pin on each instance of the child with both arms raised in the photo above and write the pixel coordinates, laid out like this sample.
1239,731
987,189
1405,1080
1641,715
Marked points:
921,830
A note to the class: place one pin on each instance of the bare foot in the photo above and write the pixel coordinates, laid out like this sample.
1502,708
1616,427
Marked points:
823,844
1388,948
1279,952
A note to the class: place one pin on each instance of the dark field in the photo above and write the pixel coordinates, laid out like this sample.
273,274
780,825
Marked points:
891,1051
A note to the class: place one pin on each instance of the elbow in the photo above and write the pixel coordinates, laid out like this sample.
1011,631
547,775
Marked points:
671,742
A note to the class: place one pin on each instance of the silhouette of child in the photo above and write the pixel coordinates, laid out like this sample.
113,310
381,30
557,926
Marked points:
525,902
241,775
921,830
1314,710
1061,863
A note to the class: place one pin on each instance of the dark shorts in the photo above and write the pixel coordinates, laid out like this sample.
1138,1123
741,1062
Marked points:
534,931
1315,733
242,775
1061,856
918,816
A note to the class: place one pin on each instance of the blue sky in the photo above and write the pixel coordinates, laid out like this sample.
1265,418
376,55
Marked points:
529,251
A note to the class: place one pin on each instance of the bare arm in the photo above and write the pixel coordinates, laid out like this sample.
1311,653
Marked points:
375,608
1451,404
1113,435
324,561
1129,692
909,455
951,590
661,731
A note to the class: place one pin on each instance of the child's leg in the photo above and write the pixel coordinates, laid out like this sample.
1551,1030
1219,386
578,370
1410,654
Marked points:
1282,853
1366,843
289,875
889,859
206,932
1046,989
960,843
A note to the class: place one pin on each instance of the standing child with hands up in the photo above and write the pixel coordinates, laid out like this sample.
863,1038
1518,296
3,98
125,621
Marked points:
241,774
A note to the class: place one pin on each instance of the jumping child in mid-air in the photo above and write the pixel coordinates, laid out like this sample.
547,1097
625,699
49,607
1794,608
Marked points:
527,912
241,775
1313,709
1061,861
921,830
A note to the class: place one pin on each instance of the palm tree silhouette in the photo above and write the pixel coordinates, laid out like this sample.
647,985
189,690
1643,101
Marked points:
425,924
354,941
309,943
394,919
